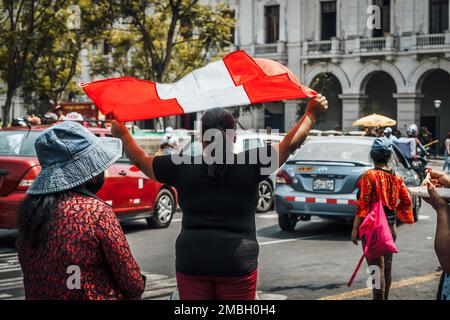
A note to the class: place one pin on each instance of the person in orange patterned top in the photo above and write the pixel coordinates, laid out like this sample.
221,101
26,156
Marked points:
396,200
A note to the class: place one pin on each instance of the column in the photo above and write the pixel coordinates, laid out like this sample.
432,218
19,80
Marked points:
351,104
283,21
290,114
260,36
408,110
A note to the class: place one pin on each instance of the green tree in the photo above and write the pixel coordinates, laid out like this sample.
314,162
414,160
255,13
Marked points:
164,40
24,33
55,71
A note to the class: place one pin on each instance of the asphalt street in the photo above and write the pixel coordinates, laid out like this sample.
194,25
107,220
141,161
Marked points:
313,262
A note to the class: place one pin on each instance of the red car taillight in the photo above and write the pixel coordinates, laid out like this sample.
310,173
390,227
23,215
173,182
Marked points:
283,178
29,178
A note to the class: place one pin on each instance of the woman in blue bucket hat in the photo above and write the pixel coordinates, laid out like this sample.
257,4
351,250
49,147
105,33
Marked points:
70,243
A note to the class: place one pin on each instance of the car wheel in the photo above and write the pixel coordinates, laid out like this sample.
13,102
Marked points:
164,210
287,222
265,197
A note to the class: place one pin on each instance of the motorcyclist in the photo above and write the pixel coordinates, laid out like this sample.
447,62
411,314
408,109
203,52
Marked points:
388,134
408,145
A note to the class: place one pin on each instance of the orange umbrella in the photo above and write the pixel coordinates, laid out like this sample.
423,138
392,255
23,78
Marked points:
375,120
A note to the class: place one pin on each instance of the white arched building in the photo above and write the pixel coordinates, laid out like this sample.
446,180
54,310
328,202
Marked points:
398,69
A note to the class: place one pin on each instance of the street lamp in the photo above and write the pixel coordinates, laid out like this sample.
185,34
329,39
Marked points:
437,105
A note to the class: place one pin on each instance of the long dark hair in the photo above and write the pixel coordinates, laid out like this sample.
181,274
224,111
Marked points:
219,119
33,216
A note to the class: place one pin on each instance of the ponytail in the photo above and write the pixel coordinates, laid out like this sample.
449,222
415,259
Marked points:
221,120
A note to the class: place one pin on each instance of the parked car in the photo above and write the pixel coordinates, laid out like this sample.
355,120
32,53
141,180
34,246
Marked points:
131,194
246,141
321,179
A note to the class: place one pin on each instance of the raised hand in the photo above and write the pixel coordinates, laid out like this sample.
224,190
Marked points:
118,130
317,106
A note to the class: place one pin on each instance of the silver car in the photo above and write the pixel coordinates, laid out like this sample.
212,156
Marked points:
321,179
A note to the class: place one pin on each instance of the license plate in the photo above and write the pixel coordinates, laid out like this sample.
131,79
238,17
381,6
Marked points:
323,185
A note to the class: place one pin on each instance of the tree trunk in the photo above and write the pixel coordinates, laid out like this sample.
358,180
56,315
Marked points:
7,107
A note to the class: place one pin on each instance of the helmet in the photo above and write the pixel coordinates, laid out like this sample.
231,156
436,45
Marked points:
169,131
387,130
412,130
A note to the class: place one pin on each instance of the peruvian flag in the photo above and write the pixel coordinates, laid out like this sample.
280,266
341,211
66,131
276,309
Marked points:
236,80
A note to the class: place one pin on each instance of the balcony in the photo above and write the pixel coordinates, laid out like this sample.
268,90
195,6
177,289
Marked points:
430,44
274,51
384,46
324,49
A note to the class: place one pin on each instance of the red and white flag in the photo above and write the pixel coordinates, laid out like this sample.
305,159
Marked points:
236,80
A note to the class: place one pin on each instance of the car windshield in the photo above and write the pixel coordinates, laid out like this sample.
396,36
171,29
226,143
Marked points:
340,152
18,143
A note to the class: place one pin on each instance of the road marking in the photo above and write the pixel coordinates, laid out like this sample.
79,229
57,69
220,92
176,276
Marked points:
5,296
423,217
298,239
395,285
176,220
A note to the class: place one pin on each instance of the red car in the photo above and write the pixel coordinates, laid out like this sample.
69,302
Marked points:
131,194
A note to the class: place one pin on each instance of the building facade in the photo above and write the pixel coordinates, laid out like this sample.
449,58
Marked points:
385,56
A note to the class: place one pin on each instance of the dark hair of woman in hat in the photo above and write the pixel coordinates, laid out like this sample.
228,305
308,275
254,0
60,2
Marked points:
396,201
70,244
217,250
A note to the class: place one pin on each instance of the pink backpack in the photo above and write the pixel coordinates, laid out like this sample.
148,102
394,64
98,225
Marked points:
377,234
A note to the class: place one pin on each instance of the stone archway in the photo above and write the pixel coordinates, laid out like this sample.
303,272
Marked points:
434,85
379,89
329,85
360,82
323,68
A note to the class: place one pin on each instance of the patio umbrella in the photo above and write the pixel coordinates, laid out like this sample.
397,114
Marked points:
375,120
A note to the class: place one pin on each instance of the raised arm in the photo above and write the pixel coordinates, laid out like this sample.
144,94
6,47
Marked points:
296,136
134,152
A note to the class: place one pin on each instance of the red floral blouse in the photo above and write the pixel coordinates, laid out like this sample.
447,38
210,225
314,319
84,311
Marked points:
393,190
83,232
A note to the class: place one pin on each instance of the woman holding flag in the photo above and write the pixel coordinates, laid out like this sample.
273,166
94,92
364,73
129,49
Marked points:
217,250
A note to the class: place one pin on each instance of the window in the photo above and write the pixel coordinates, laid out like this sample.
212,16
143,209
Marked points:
328,19
385,6
438,16
272,22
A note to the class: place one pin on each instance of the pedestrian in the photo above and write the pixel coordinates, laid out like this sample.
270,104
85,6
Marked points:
169,142
388,134
442,238
70,244
397,133
425,136
59,110
370,132
447,153
217,250
397,204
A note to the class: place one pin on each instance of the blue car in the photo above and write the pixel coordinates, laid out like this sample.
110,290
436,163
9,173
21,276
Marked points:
321,179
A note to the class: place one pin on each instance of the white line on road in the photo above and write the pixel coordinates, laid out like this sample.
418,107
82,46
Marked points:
176,220
297,239
5,296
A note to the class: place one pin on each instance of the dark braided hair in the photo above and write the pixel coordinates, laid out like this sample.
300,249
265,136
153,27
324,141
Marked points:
219,119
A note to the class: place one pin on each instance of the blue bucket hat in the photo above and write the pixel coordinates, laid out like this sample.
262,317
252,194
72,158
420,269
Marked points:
382,146
71,155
